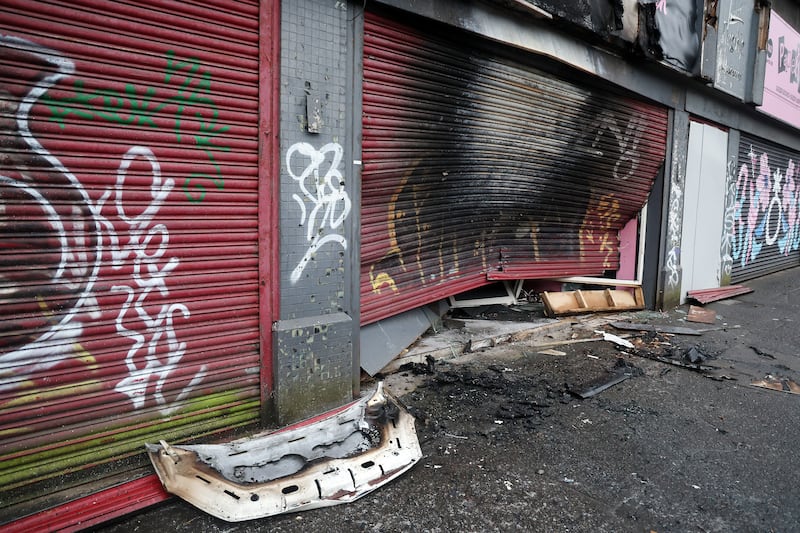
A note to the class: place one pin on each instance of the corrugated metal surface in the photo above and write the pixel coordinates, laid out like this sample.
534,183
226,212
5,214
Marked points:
766,210
478,167
128,227
83,513
706,296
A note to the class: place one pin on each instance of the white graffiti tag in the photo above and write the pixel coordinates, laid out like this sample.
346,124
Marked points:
607,125
672,266
330,203
43,200
73,238
154,338
729,221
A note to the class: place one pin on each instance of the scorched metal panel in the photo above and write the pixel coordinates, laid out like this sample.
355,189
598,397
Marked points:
766,209
128,228
477,166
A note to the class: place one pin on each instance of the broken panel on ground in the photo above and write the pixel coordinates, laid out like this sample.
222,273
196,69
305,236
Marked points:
319,463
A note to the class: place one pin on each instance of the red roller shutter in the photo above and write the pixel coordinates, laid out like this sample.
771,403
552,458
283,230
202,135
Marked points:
128,251
478,167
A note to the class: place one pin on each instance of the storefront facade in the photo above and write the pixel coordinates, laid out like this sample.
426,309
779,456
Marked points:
131,189
204,208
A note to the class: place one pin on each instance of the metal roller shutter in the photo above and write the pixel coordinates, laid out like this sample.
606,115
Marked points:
478,167
128,227
766,209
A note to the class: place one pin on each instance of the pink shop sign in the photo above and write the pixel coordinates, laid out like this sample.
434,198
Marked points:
782,76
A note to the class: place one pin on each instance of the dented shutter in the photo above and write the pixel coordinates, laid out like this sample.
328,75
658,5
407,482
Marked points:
478,167
766,209
128,219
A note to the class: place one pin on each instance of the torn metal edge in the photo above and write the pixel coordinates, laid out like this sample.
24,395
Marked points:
320,481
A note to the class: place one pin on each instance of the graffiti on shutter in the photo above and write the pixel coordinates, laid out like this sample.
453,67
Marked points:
764,219
75,233
128,221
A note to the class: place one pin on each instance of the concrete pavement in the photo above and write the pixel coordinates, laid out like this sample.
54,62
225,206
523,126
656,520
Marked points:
508,446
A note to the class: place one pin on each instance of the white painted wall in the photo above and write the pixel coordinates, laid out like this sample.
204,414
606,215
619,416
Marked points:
703,207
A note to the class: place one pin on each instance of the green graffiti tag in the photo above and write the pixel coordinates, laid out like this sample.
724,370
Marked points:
188,99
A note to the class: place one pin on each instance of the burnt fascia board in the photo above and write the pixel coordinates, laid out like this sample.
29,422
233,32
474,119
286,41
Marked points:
754,91
708,54
544,39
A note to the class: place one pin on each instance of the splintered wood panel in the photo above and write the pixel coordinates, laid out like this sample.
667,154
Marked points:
591,301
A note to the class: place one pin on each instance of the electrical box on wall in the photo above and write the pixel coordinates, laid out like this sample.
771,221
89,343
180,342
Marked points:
733,56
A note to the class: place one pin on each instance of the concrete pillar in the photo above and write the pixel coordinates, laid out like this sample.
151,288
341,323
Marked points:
671,271
315,344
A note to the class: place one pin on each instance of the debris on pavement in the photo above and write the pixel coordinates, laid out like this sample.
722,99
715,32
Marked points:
567,342
695,356
622,370
657,349
619,341
505,397
762,353
705,296
317,463
699,314
419,369
527,427
778,384
656,328
557,353
720,377
677,362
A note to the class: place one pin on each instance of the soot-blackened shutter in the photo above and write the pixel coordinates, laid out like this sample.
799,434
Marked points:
766,209
478,167
128,216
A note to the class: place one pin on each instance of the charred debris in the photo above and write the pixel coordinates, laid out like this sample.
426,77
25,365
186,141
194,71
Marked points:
342,456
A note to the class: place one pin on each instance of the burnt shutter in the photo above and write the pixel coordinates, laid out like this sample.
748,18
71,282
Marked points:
479,167
766,210
128,197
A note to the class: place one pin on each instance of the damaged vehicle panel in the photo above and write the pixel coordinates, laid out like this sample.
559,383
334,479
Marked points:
337,459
